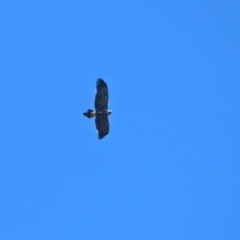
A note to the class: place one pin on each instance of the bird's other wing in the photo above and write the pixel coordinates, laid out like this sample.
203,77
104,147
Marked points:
101,97
102,125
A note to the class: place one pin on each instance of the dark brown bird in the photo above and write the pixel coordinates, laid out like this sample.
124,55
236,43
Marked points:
101,111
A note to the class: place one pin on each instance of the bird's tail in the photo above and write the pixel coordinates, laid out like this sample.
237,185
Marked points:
89,113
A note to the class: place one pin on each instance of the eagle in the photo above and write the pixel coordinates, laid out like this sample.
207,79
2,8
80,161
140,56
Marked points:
101,111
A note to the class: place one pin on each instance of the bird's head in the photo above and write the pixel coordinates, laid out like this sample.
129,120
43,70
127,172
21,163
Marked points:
109,112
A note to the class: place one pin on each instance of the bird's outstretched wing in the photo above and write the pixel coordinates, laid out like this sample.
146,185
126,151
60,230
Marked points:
102,125
101,97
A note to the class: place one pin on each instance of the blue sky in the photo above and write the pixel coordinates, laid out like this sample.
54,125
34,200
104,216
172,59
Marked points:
169,169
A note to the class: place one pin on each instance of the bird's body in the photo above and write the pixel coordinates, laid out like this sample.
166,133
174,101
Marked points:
101,111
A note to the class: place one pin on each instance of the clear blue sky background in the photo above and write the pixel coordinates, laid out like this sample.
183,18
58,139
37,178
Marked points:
169,169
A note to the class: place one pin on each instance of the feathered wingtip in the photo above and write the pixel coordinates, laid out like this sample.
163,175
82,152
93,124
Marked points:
89,113
100,83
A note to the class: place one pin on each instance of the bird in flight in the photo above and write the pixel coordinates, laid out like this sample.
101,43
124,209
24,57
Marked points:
101,111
